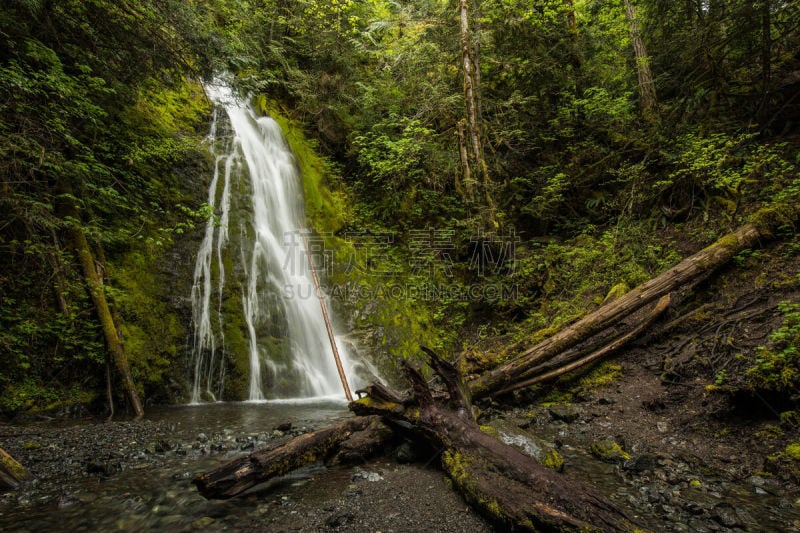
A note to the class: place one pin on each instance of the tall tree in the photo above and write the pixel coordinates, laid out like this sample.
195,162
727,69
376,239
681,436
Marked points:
68,212
647,90
470,69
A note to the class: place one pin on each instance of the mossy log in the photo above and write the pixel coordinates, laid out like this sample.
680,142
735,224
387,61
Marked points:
364,433
12,473
761,228
507,486
68,212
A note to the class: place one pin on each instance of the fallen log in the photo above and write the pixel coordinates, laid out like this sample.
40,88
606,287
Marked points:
12,473
559,367
507,486
321,445
761,228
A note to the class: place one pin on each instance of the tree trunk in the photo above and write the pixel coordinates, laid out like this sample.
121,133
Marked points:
647,90
69,213
322,445
468,190
11,472
560,366
507,486
761,228
572,24
472,105
766,59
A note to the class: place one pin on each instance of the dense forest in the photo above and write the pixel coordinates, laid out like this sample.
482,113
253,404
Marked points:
558,151
505,194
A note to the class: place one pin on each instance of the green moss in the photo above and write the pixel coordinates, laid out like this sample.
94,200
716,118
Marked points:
790,419
602,376
769,219
490,430
770,431
11,466
616,291
494,509
553,460
151,331
793,451
609,451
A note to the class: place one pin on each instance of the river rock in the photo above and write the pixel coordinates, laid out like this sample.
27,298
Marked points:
725,514
405,453
201,523
284,427
564,413
367,476
642,463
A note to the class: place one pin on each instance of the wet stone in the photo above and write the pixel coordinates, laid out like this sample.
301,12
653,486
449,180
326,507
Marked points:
564,413
284,427
203,522
367,476
641,463
725,515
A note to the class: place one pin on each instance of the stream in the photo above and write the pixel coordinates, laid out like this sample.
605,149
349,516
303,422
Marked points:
135,476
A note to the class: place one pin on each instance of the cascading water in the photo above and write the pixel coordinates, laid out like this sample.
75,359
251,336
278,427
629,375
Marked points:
289,352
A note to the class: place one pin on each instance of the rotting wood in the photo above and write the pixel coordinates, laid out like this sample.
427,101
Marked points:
760,229
12,473
507,486
241,474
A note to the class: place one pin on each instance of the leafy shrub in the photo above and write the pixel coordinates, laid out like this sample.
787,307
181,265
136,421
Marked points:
777,366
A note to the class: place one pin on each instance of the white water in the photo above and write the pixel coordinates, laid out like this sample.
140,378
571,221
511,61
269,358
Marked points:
278,296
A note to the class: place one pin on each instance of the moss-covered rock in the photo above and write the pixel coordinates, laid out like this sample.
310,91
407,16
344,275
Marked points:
609,451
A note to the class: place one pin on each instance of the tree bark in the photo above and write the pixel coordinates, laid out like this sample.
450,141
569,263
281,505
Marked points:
69,213
761,228
468,191
469,67
647,89
558,367
322,445
507,486
11,472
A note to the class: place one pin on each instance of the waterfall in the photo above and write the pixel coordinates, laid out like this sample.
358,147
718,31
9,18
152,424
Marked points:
289,352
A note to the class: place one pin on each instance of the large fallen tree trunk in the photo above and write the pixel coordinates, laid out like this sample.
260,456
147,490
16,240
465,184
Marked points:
364,433
506,485
761,228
